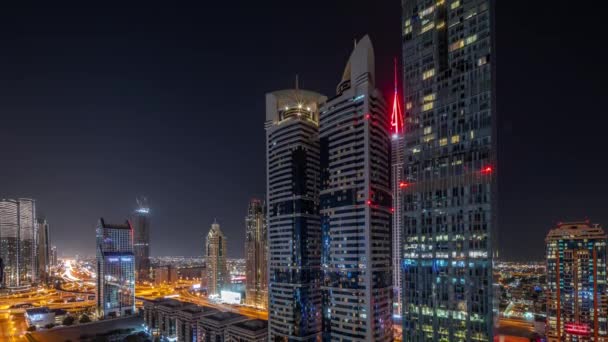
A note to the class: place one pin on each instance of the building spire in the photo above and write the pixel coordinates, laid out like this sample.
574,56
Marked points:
396,116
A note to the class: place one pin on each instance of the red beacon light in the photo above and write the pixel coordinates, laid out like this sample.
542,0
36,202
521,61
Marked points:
403,185
487,170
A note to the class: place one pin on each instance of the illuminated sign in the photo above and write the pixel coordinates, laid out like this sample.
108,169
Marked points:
230,297
577,329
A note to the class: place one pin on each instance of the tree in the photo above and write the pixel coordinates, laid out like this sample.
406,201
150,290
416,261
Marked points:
68,320
84,319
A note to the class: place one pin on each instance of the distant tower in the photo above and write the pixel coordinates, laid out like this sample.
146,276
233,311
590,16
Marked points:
54,256
294,231
18,241
356,202
115,269
577,283
397,183
217,271
256,253
44,250
140,219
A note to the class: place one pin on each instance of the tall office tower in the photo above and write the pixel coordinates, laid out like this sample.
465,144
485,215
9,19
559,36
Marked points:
140,219
397,154
18,241
115,269
294,232
9,241
217,270
28,261
577,301
54,256
256,252
356,205
449,189
43,250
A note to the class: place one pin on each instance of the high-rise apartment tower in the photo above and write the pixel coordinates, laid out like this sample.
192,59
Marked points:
256,254
294,232
356,203
577,301
449,186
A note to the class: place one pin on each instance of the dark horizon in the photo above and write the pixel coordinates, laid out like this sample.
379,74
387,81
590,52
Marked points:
100,105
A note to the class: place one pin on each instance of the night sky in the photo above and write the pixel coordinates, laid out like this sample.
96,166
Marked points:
100,105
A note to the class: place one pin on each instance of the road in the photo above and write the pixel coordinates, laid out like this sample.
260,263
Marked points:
12,327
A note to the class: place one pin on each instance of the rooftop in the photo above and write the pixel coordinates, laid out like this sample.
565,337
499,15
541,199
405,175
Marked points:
253,325
224,316
103,224
577,230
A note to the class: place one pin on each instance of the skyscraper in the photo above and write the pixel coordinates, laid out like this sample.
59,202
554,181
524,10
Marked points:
140,219
397,154
43,250
577,283
54,256
115,269
294,233
27,242
217,271
18,241
256,253
356,205
9,241
449,186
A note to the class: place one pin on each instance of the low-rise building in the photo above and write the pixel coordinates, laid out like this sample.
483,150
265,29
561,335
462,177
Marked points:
213,327
39,317
187,321
255,330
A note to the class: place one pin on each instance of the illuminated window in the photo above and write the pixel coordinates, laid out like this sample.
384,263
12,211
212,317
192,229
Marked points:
455,4
407,27
443,141
429,98
457,45
482,61
427,27
429,73
427,106
455,139
440,25
427,129
472,134
428,138
427,11
470,39
408,105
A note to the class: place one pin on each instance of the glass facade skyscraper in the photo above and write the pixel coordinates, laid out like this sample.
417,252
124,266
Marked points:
18,230
115,269
577,301
140,220
356,206
449,185
256,254
294,232
44,250
215,256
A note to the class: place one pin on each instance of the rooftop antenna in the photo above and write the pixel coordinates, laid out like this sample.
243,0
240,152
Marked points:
297,82
355,42
396,116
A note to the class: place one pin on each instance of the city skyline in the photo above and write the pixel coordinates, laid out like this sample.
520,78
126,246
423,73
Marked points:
114,89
